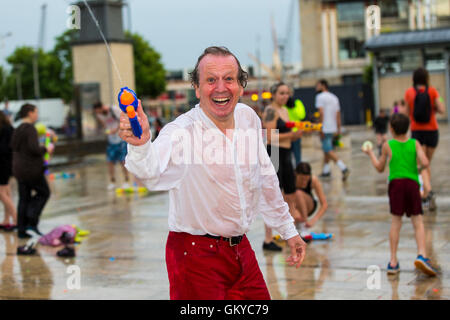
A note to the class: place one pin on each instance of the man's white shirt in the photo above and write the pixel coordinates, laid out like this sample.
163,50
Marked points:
216,185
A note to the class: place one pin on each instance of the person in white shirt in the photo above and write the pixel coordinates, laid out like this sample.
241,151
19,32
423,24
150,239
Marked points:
116,149
330,116
213,161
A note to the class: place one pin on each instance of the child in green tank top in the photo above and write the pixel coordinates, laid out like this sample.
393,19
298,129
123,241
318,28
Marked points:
404,190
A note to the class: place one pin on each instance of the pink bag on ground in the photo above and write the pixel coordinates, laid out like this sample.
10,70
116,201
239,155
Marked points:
53,237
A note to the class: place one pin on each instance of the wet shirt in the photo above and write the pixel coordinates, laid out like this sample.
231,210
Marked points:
217,185
330,105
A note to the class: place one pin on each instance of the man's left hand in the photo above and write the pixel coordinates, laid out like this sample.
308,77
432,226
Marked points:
298,251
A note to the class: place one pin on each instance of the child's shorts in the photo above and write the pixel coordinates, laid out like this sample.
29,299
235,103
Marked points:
327,142
404,197
116,152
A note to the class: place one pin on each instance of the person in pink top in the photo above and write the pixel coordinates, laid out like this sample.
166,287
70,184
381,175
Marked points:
214,164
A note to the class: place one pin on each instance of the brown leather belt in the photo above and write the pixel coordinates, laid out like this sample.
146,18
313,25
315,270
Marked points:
233,241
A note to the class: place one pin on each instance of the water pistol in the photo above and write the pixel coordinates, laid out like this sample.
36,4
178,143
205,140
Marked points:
47,155
304,125
129,103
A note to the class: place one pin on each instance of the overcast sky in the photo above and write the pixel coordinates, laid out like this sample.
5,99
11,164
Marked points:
178,29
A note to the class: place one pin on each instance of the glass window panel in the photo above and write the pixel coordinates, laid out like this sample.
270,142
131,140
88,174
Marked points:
349,11
411,60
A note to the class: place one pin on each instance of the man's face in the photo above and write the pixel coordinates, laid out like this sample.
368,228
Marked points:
319,87
219,89
101,110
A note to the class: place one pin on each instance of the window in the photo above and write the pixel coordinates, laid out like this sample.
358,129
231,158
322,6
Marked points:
350,11
434,60
351,48
389,62
394,9
411,60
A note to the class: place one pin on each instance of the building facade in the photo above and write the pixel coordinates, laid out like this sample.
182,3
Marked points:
333,33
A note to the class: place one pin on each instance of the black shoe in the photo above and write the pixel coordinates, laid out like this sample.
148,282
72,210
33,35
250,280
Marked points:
345,174
272,246
24,235
35,230
26,250
325,175
432,201
66,252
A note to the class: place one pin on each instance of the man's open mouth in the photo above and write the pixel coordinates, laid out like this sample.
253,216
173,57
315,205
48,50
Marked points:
221,101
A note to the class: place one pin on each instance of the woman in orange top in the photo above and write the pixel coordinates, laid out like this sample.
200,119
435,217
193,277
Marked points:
427,133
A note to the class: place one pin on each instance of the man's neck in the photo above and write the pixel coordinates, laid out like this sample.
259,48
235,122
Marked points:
222,125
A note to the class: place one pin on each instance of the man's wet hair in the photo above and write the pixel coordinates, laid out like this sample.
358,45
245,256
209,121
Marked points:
399,123
303,168
218,51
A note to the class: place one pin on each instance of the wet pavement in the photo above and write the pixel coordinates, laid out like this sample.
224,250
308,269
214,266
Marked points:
123,258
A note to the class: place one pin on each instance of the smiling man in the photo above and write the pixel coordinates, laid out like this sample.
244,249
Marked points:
212,204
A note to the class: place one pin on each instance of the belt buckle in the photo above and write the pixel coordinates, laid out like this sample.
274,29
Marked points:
230,241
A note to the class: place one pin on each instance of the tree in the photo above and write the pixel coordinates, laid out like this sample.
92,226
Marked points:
63,52
149,71
56,74
21,61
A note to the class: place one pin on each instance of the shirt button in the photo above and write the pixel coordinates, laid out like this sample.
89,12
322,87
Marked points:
193,243
185,253
211,246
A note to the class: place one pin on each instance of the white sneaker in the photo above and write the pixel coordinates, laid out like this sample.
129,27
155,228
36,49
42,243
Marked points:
111,186
126,185
305,233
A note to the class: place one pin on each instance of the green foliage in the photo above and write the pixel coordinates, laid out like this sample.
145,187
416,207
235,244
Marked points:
63,52
56,74
149,71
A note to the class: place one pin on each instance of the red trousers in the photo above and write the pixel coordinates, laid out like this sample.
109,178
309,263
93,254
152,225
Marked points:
202,268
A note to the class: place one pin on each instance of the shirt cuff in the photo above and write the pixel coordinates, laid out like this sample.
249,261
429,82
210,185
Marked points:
287,231
137,153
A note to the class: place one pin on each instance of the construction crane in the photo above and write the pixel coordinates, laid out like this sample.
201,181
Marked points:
37,90
281,48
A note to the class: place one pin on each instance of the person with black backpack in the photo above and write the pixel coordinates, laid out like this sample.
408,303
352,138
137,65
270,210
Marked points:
423,102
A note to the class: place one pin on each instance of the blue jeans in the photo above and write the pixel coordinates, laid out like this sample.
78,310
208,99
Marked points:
296,147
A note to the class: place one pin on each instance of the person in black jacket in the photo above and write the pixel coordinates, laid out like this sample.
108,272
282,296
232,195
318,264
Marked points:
28,168
6,131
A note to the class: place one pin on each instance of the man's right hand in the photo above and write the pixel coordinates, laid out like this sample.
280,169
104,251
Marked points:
125,132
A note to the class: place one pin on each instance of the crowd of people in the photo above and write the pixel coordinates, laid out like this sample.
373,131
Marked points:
212,205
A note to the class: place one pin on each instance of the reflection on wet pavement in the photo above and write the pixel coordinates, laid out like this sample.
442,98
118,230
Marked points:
123,258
